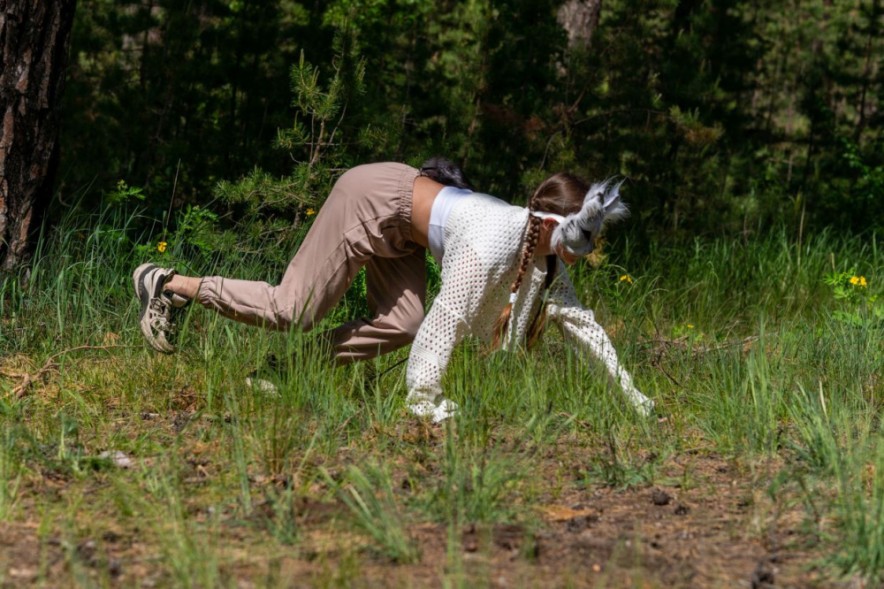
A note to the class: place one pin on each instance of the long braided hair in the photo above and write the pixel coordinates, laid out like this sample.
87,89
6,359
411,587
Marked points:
562,194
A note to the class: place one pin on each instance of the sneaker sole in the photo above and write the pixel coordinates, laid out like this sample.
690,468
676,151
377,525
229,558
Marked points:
144,300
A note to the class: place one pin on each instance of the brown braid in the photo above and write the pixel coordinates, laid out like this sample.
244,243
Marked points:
532,236
538,323
562,194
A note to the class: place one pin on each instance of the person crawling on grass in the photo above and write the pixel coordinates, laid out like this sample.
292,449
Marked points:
503,273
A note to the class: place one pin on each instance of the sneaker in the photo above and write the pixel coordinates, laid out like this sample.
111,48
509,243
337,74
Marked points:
262,385
156,305
438,413
261,380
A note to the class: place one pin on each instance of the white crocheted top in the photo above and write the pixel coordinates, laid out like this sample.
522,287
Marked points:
483,240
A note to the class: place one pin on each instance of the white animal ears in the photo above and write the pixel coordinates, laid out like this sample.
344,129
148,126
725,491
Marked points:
578,231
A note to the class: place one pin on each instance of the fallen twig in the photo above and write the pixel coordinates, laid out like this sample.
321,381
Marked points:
27,379
660,345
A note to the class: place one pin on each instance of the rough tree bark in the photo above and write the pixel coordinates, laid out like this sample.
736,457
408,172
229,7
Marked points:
34,36
579,18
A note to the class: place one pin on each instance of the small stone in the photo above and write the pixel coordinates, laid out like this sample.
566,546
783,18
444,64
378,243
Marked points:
660,498
110,536
117,458
763,576
577,524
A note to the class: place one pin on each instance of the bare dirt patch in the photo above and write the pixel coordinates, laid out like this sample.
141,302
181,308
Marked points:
720,531
706,521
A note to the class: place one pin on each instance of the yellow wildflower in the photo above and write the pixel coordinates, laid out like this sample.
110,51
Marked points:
310,212
161,247
859,281
626,278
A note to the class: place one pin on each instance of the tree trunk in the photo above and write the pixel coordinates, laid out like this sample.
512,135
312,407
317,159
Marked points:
34,36
579,18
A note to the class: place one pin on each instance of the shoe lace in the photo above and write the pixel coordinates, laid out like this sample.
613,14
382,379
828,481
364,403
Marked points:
160,315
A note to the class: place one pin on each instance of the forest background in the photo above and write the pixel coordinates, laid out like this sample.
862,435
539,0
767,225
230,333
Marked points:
724,118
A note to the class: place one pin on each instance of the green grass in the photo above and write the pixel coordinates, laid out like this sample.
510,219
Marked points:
738,343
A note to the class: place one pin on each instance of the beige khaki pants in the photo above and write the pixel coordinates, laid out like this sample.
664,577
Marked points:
366,221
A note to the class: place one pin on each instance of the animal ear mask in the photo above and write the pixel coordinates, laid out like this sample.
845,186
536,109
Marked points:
577,232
